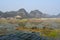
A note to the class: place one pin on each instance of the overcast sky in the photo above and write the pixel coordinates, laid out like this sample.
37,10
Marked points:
45,6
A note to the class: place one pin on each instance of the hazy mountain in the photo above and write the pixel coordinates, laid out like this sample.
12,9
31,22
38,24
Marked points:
9,14
58,16
24,14
1,13
55,16
36,14
46,15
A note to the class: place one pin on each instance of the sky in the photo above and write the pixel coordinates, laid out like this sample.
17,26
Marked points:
51,7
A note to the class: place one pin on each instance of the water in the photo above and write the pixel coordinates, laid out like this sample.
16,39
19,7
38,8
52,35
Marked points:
22,36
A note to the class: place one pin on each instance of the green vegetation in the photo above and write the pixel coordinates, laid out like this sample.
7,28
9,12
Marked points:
48,29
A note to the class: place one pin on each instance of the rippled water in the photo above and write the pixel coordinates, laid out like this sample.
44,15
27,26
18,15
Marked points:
23,36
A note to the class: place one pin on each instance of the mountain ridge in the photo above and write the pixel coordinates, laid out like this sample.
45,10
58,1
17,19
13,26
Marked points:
24,14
